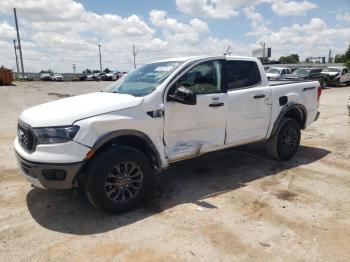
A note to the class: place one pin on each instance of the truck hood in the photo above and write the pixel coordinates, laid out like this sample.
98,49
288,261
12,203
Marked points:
330,73
68,110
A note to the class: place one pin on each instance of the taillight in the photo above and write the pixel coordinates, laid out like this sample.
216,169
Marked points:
319,93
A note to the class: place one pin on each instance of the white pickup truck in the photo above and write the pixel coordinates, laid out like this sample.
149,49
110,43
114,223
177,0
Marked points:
113,142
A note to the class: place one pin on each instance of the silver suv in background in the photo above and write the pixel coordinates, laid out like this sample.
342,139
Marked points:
277,73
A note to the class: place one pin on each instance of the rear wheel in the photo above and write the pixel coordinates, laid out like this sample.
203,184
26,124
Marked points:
118,179
285,142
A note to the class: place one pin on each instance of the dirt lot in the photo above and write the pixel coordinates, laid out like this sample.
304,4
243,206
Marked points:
231,205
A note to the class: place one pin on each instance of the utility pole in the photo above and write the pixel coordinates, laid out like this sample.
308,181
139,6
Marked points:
14,45
99,51
19,42
134,54
73,69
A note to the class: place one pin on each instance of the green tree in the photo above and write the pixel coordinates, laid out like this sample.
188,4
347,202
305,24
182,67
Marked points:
339,58
290,59
264,59
107,70
46,71
87,71
343,58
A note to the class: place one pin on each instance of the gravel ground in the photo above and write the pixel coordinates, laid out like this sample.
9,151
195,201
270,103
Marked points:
231,205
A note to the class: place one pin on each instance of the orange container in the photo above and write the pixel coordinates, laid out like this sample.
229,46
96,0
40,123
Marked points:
6,76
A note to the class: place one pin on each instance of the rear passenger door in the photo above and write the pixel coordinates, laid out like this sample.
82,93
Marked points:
249,105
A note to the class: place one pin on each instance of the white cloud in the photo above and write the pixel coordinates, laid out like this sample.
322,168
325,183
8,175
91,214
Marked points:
7,31
258,22
345,17
291,8
70,34
175,31
312,39
222,9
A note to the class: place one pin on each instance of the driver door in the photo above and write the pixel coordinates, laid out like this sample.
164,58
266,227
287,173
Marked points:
193,129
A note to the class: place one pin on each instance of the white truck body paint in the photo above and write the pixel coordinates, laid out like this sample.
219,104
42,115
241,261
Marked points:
182,131
65,111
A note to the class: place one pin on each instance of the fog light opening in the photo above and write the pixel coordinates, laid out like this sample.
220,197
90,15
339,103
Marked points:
54,174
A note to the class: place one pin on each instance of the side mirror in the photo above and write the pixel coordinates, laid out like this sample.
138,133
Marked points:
183,96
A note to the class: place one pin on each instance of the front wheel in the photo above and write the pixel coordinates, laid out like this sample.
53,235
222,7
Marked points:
285,142
118,179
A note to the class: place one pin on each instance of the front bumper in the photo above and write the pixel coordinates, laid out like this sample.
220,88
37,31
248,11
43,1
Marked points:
49,175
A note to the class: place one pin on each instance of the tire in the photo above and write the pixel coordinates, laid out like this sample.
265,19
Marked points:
285,142
118,179
337,83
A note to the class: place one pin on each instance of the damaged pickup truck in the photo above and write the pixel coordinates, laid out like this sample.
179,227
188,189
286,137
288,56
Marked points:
113,142
336,75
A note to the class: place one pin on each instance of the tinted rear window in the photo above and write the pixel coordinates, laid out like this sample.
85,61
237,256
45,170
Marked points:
241,74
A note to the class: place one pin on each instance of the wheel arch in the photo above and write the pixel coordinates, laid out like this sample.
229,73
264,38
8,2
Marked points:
291,110
132,138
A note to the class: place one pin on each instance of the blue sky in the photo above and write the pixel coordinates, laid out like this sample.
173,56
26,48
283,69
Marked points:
58,33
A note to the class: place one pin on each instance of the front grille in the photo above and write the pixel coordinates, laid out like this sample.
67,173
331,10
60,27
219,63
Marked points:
26,138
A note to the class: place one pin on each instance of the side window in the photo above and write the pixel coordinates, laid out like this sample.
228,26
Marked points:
315,73
283,72
240,74
204,78
346,71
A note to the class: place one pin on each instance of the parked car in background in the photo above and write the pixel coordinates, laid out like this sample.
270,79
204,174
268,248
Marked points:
83,78
277,73
92,77
307,74
336,75
25,78
121,74
109,77
57,77
45,77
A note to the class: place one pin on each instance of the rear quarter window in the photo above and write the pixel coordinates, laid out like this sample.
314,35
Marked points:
242,74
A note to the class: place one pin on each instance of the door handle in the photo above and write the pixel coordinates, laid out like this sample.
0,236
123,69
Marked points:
216,104
259,96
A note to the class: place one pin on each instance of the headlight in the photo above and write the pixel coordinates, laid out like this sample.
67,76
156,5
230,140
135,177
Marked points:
52,135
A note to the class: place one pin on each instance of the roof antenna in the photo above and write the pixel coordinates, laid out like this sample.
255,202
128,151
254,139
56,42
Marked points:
228,51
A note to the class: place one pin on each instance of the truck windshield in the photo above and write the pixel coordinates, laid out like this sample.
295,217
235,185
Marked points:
273,71
302,72
144,79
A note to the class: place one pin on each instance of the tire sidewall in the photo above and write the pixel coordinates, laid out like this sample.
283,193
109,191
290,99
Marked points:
102,165
289,124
